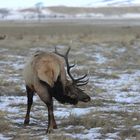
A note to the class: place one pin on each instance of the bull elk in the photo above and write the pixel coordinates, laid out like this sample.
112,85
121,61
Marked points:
45,75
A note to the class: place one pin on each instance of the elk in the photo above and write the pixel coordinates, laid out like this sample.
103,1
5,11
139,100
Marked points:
2,37
45,74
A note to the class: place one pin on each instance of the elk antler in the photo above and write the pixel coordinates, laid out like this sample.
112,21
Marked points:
78,81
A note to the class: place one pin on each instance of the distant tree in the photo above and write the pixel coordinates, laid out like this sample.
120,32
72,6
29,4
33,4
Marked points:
4,13
39,7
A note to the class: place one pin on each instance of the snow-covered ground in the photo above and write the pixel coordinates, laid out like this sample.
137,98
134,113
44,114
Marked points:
117,93
47,14
15,7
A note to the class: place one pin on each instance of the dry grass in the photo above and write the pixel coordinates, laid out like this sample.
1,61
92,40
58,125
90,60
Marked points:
22,40
4,123
109,122
63,32
128,133
61,137
91,120
104,10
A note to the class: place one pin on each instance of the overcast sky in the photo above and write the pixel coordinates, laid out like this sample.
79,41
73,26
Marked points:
28,3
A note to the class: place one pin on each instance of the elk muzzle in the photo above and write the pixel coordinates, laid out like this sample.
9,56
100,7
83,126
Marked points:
75,92
83,97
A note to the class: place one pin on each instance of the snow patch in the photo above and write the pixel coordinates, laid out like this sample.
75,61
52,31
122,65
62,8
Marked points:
88,134
2,137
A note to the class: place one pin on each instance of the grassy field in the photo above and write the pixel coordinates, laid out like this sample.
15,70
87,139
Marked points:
118,10
108,49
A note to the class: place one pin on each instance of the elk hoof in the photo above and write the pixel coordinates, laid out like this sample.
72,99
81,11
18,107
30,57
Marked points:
26,122
55,127
49,130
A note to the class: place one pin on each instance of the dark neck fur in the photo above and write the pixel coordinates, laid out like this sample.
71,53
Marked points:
58,93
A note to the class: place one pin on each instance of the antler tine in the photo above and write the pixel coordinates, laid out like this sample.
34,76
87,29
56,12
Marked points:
69,66
58,52
79,81
67,52
82,81
65,56
83,77
82,84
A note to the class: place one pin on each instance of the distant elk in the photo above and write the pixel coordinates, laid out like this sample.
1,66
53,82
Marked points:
45,75
2,37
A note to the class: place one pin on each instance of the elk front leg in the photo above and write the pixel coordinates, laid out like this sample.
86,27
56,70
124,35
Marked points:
30,94
51,121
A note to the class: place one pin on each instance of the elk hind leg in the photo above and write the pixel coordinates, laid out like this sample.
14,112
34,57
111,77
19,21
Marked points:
51,121
30,94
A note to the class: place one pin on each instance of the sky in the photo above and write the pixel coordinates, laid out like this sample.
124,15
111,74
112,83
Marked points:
29,3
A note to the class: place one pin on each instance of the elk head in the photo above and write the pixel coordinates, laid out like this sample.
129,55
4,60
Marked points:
72,87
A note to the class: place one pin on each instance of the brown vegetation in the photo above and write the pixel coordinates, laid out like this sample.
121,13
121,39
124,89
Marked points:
118,43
